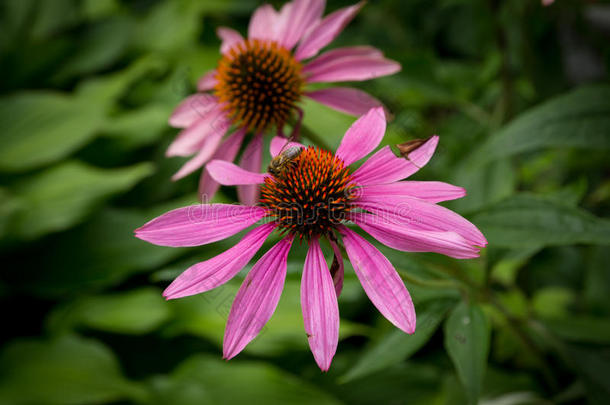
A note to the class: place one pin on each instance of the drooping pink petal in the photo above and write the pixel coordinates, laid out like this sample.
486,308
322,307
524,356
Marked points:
216,271
229,174
380,281
208,148
207,81
423,215
303,14
319,306
431,191
350,68
339,53
191,109
256,299
227,151
264,23
198,224
405,238
346,99
362,137
278,143
384,167
340,271
229,38
191,139
251,161
326,30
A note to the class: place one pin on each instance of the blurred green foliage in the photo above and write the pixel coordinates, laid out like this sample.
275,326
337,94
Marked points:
518,93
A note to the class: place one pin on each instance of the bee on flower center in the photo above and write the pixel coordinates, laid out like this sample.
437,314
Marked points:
309,191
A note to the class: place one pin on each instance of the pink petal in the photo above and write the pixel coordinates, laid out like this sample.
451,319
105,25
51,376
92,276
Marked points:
191,109
229,38
198,224
384,167
263,24
423,215
303,14
319,306
229,174
227,151
356,68
216,271
190,140
207,81
251,161
256,299
340,273
345,52
346,99
431,191
362,137
208,148
327,30
403,237
380,281
278,143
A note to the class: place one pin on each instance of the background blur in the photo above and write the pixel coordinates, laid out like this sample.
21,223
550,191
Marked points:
514,89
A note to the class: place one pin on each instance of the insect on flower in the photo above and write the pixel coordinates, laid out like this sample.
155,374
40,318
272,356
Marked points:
260,81
284,160
315,195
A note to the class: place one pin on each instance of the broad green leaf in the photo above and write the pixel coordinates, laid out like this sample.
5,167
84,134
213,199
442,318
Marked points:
593,366
527,220
61,196
9,206
101,253
467,334
579,119
205,379
552,302
132,312
98,48
41,127
206,315
66,370
581,328
138,127
396,346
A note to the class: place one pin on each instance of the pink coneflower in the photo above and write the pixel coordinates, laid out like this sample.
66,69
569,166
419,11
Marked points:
316,195
260,80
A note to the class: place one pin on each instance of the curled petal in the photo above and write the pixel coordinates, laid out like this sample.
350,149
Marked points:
256,299
229,174
337,269
191,139
380,281
198,224
191,109
363,136
263,24
229,38
208,148
302,15
319,306
384,167
355,68
339,53
218,270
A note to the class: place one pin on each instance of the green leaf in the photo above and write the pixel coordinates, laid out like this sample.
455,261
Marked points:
203,379
467,334
41,127
101,253
527,220
579,119
593,366
61,196
581,328
396,346
139,127
66,370
132,312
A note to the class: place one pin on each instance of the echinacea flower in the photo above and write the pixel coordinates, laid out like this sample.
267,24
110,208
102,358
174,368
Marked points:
260,80
316,195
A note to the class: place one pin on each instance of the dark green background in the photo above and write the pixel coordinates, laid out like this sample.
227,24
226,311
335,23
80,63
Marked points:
515,90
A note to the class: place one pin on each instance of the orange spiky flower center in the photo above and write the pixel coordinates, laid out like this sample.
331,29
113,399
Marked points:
259,83
311,195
